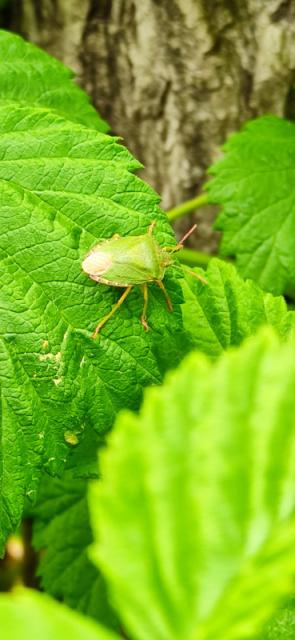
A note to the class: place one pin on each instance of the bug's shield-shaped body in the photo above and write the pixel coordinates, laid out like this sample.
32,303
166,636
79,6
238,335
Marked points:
130,261
126,261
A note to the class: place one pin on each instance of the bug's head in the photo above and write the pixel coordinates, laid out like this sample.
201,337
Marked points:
178,247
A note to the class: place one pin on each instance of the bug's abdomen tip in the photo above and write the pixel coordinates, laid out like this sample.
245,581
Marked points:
97,263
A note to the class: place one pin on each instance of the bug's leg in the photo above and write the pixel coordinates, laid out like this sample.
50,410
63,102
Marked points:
173,249
151,227
143,319
169,303
111,313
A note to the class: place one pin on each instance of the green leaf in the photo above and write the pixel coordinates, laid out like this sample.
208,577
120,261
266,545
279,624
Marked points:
254,183
283,625
229,309
31,76
62,188
195,516
30,615
62,531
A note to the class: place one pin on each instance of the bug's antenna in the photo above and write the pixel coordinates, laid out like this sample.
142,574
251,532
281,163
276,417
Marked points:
179,245
187,234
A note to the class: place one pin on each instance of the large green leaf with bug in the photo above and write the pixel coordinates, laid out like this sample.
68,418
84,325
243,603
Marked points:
30,615
217,316
254,184
205,544
62,531
63,187
229,309
31,76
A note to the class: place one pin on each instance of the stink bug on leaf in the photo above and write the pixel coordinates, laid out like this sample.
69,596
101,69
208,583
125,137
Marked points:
130,261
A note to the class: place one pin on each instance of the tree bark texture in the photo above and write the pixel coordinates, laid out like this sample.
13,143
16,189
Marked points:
173,77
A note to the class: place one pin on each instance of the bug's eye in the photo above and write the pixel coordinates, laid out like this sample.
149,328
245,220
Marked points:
97,263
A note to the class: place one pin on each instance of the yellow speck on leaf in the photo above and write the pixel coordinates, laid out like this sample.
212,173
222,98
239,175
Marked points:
71,438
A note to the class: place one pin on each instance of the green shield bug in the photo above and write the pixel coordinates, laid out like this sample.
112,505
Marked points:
130,261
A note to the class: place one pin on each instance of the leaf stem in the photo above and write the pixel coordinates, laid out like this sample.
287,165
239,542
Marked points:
188,206
194,258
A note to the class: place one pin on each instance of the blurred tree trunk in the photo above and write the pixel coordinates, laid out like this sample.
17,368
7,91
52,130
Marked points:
173,77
